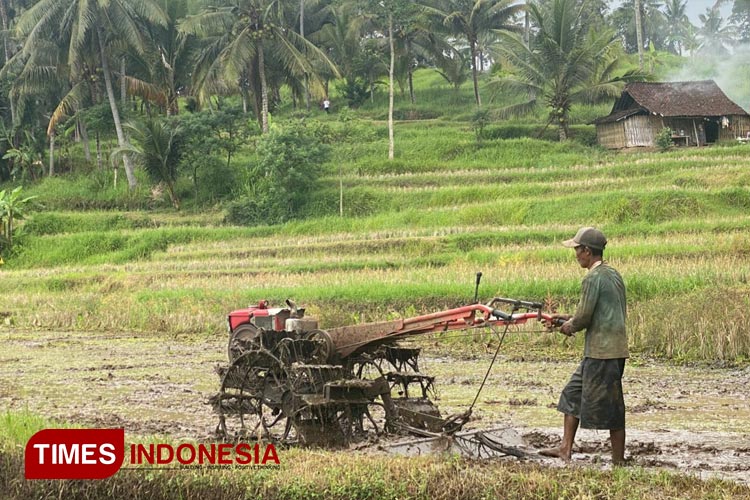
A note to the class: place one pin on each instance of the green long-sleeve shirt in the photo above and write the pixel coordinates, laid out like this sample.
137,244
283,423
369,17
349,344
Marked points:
602,312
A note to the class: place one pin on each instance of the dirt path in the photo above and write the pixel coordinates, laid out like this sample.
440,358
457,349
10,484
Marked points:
691,419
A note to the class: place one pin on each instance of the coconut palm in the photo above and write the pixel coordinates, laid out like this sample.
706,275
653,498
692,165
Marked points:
83,25
344,40
472,19
741,18
651,22
7,19
639,32
715,35
565,63
453,66
240,35
155,147
165,66
675,15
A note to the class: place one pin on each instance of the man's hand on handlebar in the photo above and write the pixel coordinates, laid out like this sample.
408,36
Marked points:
560,321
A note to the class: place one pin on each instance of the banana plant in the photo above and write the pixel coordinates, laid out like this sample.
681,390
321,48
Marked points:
12,208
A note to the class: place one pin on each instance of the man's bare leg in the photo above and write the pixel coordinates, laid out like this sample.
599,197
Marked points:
618,446
565,450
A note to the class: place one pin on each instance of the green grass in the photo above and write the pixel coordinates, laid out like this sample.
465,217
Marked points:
308,474
414,232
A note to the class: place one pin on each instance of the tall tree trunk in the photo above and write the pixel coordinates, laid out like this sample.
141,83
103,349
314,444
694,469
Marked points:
123,85
6,46
122,141
639,32
526,25
474,76
9,229
390,87
302,34
341,190
263,89
52,154
84,139
411,86
410,73
99,162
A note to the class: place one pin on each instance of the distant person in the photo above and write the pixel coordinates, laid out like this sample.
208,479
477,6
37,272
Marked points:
326,105
593,396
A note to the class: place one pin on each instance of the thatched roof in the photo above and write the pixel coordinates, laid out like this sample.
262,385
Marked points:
672,99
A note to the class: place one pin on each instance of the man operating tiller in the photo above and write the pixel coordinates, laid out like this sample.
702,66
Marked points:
593,397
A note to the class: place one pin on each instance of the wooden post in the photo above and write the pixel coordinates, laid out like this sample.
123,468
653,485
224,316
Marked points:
697,138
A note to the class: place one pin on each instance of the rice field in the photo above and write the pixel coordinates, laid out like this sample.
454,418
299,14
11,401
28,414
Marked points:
677,223
413,236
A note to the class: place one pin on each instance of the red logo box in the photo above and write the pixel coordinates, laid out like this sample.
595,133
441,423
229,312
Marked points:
74,453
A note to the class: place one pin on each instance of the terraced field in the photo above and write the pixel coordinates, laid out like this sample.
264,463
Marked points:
677,224
154,286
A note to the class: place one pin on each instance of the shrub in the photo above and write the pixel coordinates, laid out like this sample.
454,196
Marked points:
584,134
479,122
664,139
354,91
286,173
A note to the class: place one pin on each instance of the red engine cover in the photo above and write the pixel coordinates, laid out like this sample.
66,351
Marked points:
276,321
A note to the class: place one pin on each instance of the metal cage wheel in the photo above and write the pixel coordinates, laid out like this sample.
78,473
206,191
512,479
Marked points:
241,339
325,349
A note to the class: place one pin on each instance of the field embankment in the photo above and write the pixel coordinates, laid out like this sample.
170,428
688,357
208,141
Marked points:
411,241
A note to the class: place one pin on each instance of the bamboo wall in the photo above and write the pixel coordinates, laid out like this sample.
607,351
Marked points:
641,130
739,126
611,135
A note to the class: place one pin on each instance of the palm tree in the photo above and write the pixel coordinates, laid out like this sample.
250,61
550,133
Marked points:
453,66
675,13
44,77
81,25
714,34
156,149
472,19
412,42
639,32
166,64
344,40
240,34
565,63
7,8
741,19
652,24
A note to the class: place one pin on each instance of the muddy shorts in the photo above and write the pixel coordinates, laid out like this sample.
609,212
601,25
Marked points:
594,394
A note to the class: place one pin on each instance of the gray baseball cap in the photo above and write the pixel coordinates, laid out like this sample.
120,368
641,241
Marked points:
588,237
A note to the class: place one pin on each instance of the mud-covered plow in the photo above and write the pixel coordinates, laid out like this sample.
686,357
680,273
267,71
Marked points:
288,380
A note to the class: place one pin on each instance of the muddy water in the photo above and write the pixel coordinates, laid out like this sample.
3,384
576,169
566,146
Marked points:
692,419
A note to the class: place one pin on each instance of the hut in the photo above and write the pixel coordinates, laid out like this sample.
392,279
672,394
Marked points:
698,113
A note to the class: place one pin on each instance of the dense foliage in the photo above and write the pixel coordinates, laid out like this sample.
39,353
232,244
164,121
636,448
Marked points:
73,74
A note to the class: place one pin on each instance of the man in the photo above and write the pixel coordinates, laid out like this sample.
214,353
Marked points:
593,396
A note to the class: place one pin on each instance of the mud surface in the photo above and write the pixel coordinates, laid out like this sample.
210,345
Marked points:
688,419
